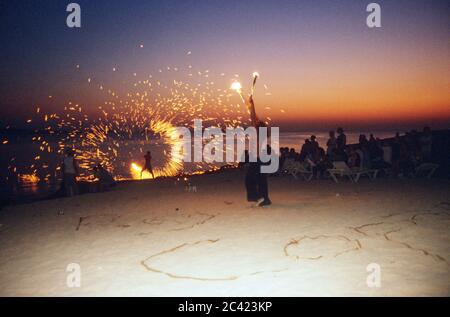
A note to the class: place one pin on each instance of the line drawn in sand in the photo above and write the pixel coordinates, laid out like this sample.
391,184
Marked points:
395,227
347,245
148,267
204,217
407,245
111,218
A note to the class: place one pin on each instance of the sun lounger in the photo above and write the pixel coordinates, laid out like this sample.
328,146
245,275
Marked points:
427,169
341,169
295,168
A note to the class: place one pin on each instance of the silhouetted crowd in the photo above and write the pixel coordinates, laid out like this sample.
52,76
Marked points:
400,156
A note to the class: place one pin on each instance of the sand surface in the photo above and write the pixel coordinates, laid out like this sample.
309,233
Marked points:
154,238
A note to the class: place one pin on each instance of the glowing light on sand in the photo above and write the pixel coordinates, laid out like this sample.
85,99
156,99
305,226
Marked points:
29,179
136,169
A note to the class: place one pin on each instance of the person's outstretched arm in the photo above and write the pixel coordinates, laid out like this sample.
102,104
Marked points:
251,107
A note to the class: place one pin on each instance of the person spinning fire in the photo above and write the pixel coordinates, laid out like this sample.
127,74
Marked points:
148,164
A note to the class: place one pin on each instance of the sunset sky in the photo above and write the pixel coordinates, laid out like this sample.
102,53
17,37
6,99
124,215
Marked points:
319,60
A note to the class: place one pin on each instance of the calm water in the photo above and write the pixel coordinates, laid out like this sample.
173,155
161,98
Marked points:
296,139
22,156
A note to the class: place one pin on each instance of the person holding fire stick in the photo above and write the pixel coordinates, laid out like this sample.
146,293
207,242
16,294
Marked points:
255,181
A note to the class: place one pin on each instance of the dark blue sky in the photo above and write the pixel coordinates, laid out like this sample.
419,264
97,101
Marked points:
279,38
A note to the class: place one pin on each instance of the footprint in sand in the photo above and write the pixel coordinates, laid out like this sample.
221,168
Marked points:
179,222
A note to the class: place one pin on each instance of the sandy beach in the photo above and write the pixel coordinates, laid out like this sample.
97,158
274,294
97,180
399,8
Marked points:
154,238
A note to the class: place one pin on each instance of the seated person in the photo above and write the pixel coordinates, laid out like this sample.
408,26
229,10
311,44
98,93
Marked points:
354,160
105,179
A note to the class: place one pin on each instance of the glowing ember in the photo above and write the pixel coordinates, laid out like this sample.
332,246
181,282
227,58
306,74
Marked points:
29,179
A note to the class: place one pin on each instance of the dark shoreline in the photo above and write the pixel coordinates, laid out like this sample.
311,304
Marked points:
84,187
441,156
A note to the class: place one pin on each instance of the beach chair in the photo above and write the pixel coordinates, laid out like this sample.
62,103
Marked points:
341,169
427,169
295,168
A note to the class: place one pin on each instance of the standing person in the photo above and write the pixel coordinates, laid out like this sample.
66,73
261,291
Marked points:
255,181
305,150
341,140
148,164
70,170
426,144
364,151
13,180
314,155
331,143
395,158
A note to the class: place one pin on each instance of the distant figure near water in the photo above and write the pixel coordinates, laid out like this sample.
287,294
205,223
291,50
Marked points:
148,164
70,170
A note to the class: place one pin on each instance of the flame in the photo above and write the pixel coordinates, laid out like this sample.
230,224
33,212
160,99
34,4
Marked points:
236,86
135,167
174,162
29,179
